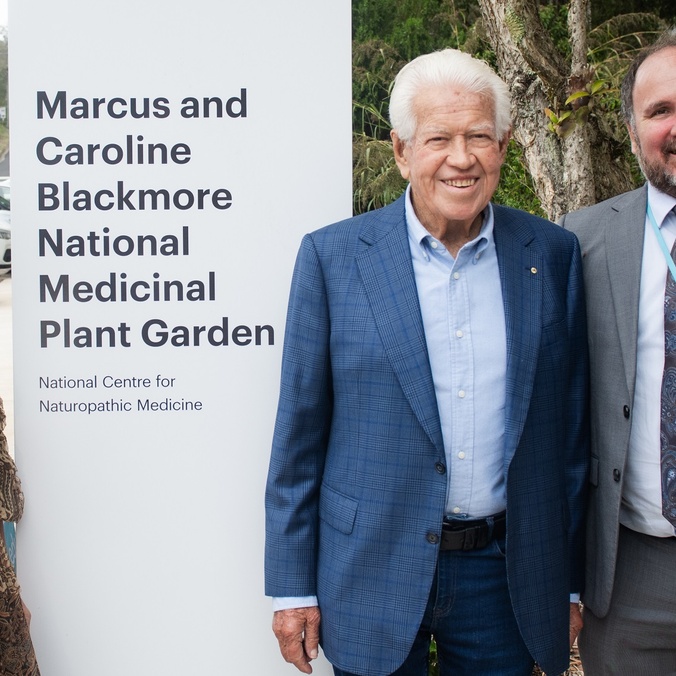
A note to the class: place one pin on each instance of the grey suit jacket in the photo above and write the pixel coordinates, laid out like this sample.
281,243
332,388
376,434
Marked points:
611,237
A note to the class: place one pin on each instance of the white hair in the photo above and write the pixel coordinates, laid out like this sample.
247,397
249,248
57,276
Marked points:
446,68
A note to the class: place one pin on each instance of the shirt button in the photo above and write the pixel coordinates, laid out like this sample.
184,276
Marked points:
434,245
461,394
456,510
456,275
461,455
459,333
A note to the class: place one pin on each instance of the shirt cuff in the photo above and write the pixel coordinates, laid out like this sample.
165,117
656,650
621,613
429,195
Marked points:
287,602
574,598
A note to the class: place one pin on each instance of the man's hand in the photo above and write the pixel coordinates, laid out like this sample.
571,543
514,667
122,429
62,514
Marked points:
297,631
575,622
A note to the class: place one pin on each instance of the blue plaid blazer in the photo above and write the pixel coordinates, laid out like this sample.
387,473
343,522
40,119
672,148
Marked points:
353,493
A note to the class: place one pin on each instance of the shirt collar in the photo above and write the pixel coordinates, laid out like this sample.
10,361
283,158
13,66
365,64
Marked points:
660,203
421,237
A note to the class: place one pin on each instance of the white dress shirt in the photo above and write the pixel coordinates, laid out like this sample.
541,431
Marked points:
641,508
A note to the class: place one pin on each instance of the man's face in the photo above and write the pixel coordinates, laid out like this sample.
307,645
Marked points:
653,136
453,161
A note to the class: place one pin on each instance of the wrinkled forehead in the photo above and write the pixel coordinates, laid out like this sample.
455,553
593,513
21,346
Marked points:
448,100
452,92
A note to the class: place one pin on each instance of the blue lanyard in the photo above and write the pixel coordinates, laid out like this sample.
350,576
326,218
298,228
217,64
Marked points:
662,243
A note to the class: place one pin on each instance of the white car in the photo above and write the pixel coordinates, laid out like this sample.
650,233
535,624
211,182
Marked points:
5,230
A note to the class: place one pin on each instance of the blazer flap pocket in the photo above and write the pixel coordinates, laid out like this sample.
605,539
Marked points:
337,509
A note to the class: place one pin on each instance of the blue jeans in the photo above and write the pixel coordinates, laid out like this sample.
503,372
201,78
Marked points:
470,615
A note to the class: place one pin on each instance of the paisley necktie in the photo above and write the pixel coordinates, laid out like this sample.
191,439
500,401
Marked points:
668,412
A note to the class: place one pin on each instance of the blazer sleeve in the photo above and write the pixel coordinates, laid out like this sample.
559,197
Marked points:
301,434
578,442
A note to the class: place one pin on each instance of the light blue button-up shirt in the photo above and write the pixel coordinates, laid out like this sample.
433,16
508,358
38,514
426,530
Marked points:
464,320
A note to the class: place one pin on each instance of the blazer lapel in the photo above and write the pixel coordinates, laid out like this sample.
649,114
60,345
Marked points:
387,274
624,252
521,278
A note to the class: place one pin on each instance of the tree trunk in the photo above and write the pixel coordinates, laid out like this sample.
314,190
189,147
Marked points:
577,165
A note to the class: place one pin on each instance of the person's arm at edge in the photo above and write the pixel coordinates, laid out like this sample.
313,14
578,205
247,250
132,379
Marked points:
578,445
297,465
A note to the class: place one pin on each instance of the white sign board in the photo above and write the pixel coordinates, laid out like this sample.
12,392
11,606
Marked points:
166,158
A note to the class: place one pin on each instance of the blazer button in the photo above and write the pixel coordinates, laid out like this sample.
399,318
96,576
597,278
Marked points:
617,475
432,538
626,411
440,467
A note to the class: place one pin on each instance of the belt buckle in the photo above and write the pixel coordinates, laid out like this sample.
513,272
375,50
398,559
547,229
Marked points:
476,537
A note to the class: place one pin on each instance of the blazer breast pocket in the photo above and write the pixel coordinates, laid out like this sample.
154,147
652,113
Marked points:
551,333
337,510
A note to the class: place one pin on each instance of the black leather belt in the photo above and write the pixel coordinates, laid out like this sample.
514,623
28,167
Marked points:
475,534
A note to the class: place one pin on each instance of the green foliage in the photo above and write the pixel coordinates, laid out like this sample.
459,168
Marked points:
375,176
388,33
374,65
578,107
554,19
372,18
606,10
413,27
516,187
515,25
612,47
434,659
613,44
410,37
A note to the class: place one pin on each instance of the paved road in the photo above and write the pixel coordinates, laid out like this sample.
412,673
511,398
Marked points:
6,366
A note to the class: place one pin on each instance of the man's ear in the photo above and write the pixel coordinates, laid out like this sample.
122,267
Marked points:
504,142
399,148
632,136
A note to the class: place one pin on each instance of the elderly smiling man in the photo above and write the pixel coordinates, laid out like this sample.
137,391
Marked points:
430,451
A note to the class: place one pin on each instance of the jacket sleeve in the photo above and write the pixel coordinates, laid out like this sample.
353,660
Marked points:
301,434
578,441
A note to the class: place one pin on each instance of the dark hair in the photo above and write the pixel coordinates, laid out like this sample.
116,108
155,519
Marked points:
665,40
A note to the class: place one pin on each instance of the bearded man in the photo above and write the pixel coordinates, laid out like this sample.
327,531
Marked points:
628,251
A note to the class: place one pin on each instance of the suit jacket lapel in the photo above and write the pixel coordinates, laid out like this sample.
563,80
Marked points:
624,253
521,278
387,274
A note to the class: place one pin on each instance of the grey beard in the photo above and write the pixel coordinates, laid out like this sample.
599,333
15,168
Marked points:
661,179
